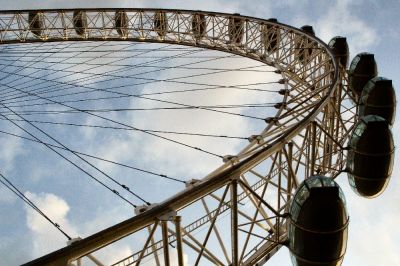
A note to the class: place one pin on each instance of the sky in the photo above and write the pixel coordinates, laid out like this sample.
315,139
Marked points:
374,235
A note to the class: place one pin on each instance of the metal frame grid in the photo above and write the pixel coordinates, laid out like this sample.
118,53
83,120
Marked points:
253,188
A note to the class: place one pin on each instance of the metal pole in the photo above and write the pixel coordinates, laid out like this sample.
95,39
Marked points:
290,174
234,223
164,227
313,146
147,242
179,239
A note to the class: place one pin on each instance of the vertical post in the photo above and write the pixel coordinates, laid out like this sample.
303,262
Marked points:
290,175
332,129
153,248
313,146
307,151
179,239
151,233
234,223
164,226
278,225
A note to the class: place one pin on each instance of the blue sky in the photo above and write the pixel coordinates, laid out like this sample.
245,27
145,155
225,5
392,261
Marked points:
374,235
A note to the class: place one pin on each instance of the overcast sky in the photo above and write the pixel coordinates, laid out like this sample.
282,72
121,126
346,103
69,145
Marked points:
369,25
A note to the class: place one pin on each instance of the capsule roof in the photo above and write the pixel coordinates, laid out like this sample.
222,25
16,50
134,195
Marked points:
340,49
308,29
304,190
378,98
368,129
362,69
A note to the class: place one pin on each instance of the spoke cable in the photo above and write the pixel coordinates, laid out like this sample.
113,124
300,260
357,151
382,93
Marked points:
97,158
8,184
68,160
120,123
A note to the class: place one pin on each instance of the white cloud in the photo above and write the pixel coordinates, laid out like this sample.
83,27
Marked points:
373,222
340,21
45,237
10,147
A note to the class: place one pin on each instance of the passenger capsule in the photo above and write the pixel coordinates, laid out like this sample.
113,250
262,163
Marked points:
121,23
340,49
270,36
199,26
36,22
80,22
236,29
302,53
318,223
160,23
378,98
362,69
370,157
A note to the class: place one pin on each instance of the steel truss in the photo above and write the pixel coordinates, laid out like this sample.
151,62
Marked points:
236,215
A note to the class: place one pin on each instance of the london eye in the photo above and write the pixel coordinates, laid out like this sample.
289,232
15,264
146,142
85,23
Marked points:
220,135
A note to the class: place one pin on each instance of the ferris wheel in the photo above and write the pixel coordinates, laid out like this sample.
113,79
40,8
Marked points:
82,84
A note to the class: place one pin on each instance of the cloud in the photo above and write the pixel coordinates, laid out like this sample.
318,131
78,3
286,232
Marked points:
339,20
10,148
160,155
45,237
158,151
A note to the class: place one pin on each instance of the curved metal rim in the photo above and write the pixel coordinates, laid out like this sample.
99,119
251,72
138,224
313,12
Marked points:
207,185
